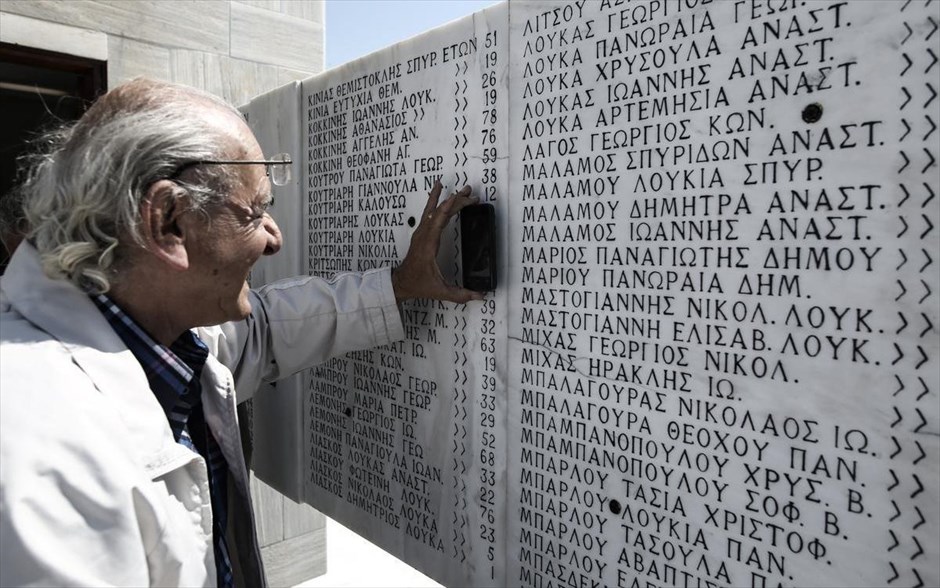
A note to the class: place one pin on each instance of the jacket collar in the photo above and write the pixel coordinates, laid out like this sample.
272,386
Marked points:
68,315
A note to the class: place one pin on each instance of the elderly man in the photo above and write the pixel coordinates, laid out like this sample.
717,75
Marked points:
128,326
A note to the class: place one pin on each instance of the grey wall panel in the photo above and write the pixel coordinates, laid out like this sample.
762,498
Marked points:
278,425
714,344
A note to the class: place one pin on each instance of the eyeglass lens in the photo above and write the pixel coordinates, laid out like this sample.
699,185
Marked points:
280,172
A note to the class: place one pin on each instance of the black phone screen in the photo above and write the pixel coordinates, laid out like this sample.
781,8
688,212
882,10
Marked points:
478,247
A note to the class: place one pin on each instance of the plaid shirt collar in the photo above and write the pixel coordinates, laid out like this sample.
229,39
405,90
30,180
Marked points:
170,370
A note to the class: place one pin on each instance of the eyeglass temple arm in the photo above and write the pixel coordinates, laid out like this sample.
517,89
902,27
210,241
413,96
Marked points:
238,161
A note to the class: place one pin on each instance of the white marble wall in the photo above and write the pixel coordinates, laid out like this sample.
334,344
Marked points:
399,457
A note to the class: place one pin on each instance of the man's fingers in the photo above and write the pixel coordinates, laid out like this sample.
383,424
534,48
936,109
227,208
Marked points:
433,196
457,201
440,215
462,295
419,275
462,202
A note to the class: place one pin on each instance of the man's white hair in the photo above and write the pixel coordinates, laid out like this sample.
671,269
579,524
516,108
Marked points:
82,193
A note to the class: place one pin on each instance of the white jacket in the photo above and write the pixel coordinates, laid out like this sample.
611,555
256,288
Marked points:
93,489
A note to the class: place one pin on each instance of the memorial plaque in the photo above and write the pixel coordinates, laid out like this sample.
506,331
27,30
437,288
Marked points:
723,323
712,356
407,443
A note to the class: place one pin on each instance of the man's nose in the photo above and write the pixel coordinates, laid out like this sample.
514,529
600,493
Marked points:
274,235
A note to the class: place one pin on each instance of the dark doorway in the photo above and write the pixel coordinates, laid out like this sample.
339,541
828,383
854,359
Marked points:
38,89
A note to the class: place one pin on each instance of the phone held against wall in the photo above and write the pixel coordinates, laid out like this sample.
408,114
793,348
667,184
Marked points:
478,247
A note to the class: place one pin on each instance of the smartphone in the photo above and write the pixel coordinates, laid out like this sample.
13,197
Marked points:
478,247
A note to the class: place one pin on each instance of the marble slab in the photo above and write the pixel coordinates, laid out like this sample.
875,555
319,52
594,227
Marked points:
723,328
52,36
395,438
278,425
300,41
130,59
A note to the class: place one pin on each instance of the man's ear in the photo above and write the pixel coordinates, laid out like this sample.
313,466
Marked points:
161,228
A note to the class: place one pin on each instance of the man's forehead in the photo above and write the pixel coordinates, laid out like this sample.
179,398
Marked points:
241,142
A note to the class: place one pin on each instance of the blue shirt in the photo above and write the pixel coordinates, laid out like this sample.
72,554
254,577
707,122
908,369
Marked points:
173,373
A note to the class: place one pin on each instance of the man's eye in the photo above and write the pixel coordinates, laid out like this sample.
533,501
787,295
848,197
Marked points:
258,211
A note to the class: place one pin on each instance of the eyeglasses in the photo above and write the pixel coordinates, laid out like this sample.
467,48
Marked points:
277,168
